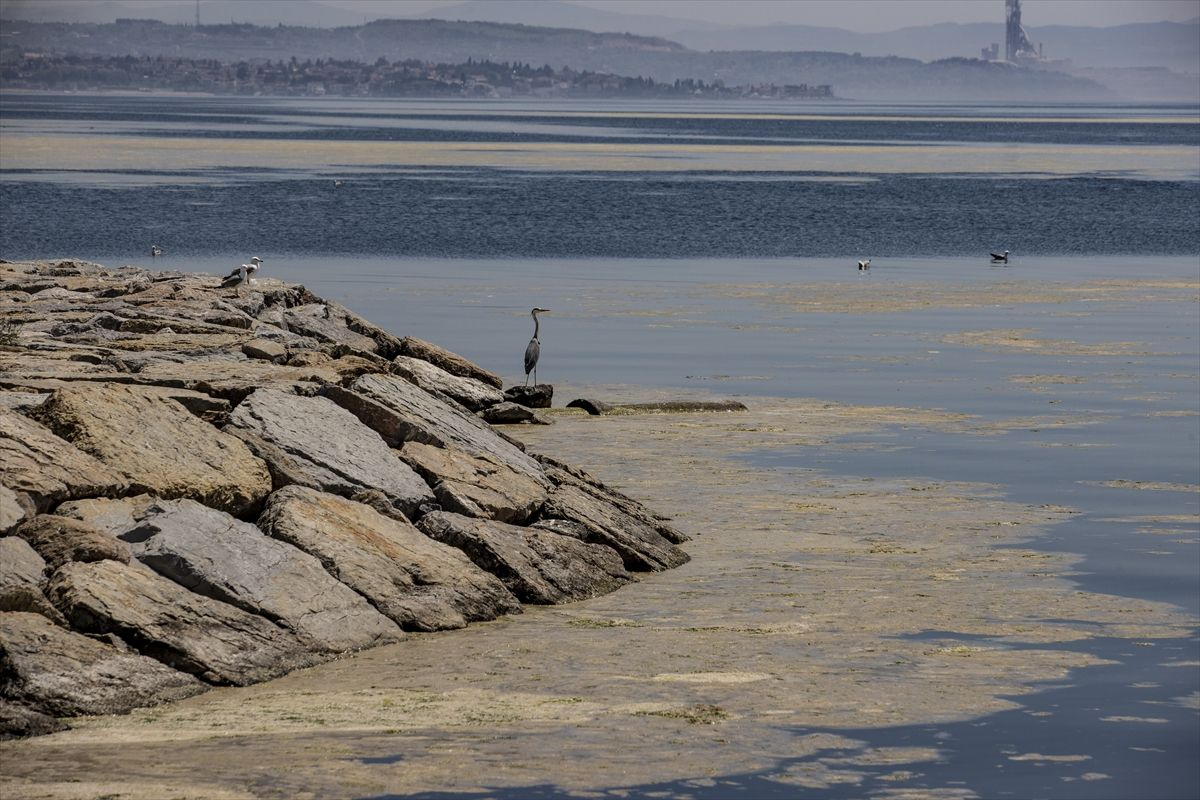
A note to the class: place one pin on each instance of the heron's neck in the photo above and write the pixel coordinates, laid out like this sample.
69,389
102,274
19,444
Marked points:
535,326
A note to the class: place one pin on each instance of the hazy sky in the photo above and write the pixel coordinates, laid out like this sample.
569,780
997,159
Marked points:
861,15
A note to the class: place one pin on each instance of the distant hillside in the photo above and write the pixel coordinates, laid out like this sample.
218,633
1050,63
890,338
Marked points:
619,54
1175,45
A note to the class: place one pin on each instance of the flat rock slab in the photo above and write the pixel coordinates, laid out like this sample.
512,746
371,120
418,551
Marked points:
538,566
477,486
45,469
401,412
565,474
641,546
22,575
14,509
62,539
417,582
214,641
325,323
311,441
468,392
57,672
158,445
448,361
213,554
599,407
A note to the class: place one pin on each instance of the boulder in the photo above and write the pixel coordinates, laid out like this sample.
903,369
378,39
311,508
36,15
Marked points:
311,441
450,362
158,445
12,510
325,323
538,566
214,641
19,720
478,486
538,396
467,392
45,469
60,673
400,412
417,582
22,575
215,555
640,545
62,539
511,414
113,517
565,474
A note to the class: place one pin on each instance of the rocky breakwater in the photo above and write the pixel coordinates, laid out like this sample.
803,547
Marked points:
203,486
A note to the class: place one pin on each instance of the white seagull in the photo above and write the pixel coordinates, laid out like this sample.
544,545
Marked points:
864,264
243,274
1000,257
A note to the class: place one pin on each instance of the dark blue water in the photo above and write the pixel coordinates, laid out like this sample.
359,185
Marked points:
1040,181
456,218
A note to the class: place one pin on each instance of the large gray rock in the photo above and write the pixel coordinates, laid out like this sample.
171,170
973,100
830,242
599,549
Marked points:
57,672
419,583
450,362
214,641
538,566
22,575
311,441
640,545
62,539
161,447
326,323
565,474
468,392
400,412
478,486
112,516
213,554
539,395
41,469
12,510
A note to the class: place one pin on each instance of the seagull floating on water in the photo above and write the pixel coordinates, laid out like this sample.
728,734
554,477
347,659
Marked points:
1000,257
864,264
155,250
242,274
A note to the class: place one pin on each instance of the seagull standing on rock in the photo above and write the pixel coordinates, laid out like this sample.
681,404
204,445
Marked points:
242,274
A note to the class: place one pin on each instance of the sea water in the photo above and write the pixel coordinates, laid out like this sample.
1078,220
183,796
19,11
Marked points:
690,247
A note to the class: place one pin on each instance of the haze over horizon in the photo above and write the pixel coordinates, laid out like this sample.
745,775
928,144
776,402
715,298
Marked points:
863,16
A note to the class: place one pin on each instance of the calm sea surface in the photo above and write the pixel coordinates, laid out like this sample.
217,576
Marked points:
690,246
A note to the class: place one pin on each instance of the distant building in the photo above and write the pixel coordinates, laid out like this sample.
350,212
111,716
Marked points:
1017,46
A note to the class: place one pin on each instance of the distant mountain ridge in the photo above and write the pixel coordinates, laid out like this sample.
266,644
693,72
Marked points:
1174,45
665,61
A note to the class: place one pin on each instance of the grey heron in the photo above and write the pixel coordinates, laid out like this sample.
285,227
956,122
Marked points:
1000,257
242,274
535,347
864,264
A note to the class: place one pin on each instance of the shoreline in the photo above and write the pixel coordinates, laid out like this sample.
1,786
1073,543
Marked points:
816,599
